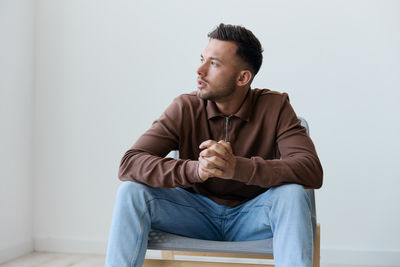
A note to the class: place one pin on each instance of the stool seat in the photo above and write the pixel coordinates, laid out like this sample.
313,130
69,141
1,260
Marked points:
159,240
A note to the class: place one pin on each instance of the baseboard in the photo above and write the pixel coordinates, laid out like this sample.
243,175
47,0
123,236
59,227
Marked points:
70,246
328,256
80,246
361,257
16,251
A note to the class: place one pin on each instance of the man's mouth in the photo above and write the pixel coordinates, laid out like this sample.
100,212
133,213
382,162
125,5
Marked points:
201,84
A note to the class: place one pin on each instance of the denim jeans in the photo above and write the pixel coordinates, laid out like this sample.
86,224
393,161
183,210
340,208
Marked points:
283,212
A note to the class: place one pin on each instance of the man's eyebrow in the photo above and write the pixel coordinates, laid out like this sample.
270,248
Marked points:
212,58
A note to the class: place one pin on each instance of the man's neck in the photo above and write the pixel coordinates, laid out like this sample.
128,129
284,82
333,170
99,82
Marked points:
232,104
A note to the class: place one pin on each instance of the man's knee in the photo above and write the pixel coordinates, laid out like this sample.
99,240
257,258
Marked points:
290,189
291,193
130,190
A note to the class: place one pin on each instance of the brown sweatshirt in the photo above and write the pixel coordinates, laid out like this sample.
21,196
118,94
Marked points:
270,145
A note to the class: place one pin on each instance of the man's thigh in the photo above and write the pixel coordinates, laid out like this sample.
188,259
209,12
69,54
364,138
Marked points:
256,219
177,211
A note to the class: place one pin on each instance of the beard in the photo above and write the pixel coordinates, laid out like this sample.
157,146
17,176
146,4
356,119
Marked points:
217,93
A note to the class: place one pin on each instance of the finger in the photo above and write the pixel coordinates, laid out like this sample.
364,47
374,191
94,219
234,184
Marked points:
207,144
213,172
221,150
208,172
204,174
209,153
216,173
212,162
227,146
216,150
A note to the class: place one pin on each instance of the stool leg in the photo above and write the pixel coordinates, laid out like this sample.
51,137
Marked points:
317,247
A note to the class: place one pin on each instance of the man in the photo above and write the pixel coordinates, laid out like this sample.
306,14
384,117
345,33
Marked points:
244,163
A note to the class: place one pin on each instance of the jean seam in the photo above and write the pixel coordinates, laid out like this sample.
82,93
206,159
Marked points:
247,209
188,206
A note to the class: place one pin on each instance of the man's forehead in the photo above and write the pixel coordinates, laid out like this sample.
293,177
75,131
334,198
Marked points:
218,48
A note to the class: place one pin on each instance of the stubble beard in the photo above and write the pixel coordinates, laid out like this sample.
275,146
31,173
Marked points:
224,91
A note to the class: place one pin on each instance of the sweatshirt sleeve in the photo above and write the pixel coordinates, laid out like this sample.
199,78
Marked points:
299,162
145,161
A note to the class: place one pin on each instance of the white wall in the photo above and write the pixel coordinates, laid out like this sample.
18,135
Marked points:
16,107
106,69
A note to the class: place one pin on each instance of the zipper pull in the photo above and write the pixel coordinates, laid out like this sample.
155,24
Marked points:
226,127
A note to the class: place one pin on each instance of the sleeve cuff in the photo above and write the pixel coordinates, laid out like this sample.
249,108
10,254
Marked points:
243,170
192,173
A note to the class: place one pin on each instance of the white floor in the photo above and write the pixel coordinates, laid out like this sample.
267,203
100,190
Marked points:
41,259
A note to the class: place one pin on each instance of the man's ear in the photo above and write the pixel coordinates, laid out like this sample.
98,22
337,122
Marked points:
244,78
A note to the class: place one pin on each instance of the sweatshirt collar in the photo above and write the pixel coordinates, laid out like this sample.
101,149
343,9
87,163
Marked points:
243,112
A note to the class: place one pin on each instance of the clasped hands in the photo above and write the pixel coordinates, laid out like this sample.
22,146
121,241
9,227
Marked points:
216,160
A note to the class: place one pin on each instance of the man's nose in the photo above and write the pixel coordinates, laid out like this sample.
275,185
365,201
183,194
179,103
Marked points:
202,69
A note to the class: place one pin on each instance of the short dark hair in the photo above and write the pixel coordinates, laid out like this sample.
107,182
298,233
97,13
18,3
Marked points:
248,46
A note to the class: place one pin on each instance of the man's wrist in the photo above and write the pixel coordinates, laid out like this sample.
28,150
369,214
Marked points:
192,170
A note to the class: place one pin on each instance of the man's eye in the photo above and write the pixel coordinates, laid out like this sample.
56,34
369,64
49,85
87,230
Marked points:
201,60
213,63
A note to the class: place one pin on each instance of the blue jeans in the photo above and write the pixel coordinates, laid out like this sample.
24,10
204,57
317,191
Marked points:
283,212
